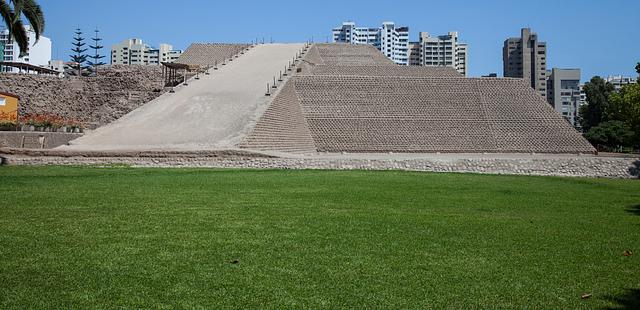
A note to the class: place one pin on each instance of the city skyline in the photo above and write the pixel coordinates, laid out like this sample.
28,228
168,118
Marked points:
484,26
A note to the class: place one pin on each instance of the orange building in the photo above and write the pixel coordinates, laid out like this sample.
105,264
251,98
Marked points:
8,106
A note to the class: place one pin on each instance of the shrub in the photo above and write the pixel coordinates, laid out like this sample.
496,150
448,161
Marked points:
49,121
610,135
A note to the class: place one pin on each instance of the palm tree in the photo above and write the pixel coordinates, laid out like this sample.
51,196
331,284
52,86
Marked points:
11,11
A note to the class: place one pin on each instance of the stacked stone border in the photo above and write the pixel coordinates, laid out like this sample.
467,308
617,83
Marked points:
566,166
35,140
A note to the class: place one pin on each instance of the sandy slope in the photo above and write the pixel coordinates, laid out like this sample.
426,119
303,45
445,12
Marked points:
215,112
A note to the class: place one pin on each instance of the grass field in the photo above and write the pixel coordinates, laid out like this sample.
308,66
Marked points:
120,237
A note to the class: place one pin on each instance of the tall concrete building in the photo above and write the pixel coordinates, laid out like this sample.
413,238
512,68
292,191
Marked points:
443,50
39,53
525,57
391,40
136,52
415,53
564,93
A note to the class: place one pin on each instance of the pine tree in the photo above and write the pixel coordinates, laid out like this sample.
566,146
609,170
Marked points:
79,57
95,59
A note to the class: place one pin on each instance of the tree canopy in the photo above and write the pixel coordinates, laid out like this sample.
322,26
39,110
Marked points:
12,11
625,107
612,118
78,56
94,61
597,91
610,135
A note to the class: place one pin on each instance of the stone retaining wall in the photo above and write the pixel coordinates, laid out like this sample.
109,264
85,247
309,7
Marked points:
35,140
586,166
94,101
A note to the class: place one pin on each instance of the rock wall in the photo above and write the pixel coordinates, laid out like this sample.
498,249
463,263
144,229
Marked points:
94,101
35,140
578,166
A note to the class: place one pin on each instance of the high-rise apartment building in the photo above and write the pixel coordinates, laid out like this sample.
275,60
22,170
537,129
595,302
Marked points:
564,93
392,41
618,81
526,58
136,52
39,52
443,50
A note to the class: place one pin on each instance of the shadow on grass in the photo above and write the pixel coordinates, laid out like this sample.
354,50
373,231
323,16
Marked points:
635,170
629,300
634,210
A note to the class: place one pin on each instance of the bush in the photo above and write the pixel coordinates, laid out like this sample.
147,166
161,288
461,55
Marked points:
49,121
610,135
7,126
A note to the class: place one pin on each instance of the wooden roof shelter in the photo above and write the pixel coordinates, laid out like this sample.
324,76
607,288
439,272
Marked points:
28,68
170,72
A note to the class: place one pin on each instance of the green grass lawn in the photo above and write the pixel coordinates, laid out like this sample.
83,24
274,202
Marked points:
184,238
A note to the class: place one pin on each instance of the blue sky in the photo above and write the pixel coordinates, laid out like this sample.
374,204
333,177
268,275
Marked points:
600,37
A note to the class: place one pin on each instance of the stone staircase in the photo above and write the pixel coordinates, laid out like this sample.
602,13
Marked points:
350,98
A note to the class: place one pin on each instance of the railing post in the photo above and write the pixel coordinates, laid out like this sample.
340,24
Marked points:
184,78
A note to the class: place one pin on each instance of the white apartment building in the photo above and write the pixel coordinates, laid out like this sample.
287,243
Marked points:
618,81
136,52
39,53
56,65
168,54
165,53
392,41
443,50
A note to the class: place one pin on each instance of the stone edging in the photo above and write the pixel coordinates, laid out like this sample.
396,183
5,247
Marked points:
595,167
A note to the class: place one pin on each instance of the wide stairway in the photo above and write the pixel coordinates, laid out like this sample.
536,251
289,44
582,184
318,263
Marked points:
215,112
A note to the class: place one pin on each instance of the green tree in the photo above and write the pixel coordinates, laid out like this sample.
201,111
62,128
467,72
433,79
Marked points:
78,56
625,106
95,60
610,134
594,112
638,70
12,11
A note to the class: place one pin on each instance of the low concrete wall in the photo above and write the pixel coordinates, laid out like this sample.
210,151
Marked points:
35,140
578,166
